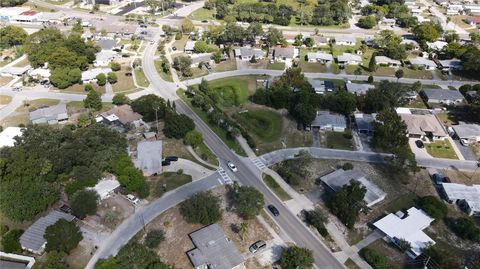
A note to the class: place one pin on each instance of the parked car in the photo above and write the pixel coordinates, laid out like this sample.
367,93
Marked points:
419,144
274,210
171,158
165,163
259,245
133,199
174,48
438,178
204,21
232,167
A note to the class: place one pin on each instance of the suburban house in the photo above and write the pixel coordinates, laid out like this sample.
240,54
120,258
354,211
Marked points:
349,59
386,22
189,46
7,136
407,226
364,122
106,186
321,86
51,115
120,117
319,57
423,63
149,157
123,29
386,61
466,196
32,239
201,58
345,40
437,45
103,58
473,21
411,43
450,65
324,120
91,75
321,41
358,88
337,179
246,54
442,96
15,261
13,71
467,133
285,54
39,73
423,125
213,250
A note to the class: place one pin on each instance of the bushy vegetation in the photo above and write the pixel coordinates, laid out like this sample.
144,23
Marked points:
466,228
154,238
433,207
375,259
202,207
294,171
133,255
347,203
296,258
84,202
11,35
63,236
46,157
248,201
10,241
317,218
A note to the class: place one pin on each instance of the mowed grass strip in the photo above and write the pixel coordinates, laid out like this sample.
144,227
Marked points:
232,91
273,185
265,124
441,149
168,181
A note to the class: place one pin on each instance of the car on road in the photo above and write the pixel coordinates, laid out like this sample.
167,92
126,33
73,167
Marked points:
259,245
133,199
171,158
204,21
419,144
232,167
165,163
274,210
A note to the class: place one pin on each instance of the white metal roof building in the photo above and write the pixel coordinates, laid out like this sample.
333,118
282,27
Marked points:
106,187
408,227
32,239
469,194
8,135
337,179
92,74
14,71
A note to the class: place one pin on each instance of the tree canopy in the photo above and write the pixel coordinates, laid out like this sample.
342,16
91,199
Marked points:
296,258
133,256
11,35
84,202
63,236
147,105
247,201
202,207
347,203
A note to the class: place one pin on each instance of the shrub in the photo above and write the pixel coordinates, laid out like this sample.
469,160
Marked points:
433,207
84,203
348,135
88,87
3,229
115,66
112,78
375,259
154,238
466,228
347,166
203,208
317,218
370,79
296,257
63,236
101,79
247,201
10,241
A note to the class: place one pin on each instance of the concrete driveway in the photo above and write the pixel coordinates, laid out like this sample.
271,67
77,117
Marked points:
196,170
418,151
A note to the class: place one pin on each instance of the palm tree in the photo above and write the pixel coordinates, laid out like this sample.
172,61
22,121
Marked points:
243,229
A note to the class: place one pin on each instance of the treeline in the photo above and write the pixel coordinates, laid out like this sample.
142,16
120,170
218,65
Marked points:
66,56
12,3
327,12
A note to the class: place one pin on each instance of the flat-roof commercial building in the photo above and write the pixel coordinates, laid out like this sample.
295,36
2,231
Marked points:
337,179
469,196
213,250
32,239
409,227
149,157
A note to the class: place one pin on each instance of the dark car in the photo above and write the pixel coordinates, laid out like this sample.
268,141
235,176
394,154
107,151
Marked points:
438,178
447,180
204,21
419,144
174,48
274,210
171,158
259,245
165,163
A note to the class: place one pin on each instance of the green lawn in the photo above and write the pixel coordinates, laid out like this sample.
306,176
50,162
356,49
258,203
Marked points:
163,75
227,65
206,154
222,133
336,140
339,50
232,91
441,149
273,185
276,66
312,67
180,44
265,124
140,77
338,83
418,74
124,83
202,14
168,181
384,71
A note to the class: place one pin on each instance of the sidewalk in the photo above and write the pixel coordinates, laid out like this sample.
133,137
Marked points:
195,155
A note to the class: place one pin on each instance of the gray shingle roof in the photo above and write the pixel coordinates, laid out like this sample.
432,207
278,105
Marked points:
358,88
51,113
443,94
338,178
149,156
284,52
467,130
249,52
32,239
213,249
107,44
325,118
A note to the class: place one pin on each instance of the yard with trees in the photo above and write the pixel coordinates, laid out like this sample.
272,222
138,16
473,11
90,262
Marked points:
202,207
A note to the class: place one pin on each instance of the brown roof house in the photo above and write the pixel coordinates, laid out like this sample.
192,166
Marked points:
120,117
420,125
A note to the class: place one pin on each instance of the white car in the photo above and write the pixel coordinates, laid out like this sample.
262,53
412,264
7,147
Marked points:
232,167
133,199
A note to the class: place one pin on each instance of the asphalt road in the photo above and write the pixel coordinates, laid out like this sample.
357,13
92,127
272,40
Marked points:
131,226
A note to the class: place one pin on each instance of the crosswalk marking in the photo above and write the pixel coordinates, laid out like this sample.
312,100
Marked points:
258,163
224,175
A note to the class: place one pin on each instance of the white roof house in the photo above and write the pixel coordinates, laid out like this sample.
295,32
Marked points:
469,195
422,62
348,58
39,72
468,133
320,57
8,135
337,179
14,71
92,74
189,45
384,60
104,57
245,53
437,45
106,187
408,227
346,40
